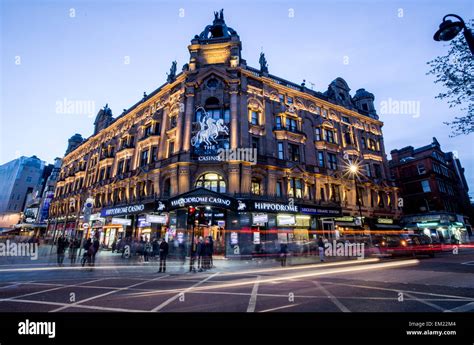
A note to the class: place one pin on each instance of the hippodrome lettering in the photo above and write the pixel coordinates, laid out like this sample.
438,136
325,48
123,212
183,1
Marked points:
200,199
266,206
125,209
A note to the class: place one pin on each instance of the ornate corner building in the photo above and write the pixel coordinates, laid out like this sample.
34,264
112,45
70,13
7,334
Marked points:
261,160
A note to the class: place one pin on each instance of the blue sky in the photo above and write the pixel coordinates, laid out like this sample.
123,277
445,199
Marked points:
78,50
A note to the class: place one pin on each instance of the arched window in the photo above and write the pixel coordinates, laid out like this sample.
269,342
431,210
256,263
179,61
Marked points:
256,187
212,181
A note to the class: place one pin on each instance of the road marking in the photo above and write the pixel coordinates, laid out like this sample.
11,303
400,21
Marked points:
396,290
168,301
432,305
333,298
465,307
105,294
468,263
253,297
47,290
277,308
91,307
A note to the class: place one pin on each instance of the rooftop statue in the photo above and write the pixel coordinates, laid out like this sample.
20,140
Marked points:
263,63
172,74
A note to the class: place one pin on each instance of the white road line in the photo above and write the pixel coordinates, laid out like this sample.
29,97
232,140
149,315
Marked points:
105,294
168,301
253,297
277,308
333,298
396,290
432,305
91,307
465,307
48,290
470,263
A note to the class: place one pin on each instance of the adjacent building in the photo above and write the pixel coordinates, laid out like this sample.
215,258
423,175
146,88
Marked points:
18,179
260,160
434,191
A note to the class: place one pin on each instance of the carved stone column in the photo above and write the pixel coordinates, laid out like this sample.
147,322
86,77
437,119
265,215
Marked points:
163,137
234,122
233,173
183,179
181,119
246,178
174,181
188,117
271,182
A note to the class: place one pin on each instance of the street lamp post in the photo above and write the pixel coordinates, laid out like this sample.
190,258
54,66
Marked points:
449,29
354,170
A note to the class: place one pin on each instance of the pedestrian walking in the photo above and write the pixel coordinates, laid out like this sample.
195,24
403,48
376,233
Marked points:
61,249
321,248
147,251
163,254
86,257
200,251
211,252
283,253
182,252
114,245
95,249
73,247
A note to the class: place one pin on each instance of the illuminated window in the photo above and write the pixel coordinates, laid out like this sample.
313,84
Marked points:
332,161
329,134
254,117
317,134
212,182
256,187
280,151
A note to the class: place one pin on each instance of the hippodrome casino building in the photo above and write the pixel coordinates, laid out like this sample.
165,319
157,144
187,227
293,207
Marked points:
144,170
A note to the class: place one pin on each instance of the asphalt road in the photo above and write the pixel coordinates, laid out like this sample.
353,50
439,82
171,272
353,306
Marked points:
444,283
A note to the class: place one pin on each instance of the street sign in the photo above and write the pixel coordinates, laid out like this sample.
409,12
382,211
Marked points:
85,225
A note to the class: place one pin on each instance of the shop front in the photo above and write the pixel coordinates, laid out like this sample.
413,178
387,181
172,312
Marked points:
124,221
200,213
441,227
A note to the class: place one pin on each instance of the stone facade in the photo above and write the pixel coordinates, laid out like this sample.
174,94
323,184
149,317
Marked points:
303,138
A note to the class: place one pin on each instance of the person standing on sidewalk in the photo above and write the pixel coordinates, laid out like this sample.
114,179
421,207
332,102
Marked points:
73,247
95,249
211,251
163,254
62,244
283,253
200,251
321,248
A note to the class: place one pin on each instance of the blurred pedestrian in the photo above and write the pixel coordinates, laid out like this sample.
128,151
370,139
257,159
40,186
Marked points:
147,251
200,251
321,248
73,247
283,253
163,254
95,249
61,248
211,251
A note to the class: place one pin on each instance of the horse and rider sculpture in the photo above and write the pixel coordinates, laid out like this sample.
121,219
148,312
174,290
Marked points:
209,130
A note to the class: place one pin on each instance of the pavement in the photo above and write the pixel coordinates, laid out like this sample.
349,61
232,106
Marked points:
442,284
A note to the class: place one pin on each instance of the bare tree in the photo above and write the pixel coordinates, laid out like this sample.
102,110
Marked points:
455,71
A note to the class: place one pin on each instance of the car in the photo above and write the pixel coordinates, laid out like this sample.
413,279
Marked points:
406,245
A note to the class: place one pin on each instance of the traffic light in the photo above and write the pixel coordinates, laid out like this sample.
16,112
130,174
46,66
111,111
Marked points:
191,214
202,217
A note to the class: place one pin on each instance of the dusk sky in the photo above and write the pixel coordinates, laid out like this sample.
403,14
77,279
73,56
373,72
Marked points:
113,51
